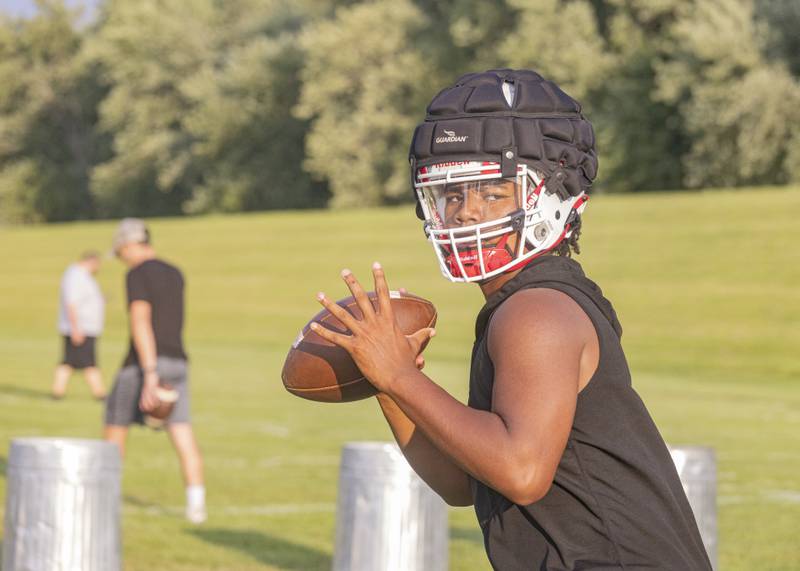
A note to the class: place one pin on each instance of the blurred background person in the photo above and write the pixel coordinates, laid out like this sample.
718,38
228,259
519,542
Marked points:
155,292
80,322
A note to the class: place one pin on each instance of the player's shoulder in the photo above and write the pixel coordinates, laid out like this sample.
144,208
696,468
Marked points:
166,267
154,266
71,270
140,274
536,313
72,274
540,303
135,271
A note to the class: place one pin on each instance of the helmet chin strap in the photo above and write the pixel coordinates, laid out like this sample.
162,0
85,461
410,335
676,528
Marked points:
494,257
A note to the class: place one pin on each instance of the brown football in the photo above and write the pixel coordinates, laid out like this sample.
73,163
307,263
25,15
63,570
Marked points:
167,397
318,370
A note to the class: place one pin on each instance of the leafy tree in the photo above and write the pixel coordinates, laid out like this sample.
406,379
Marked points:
782,21
49,96
148,49
561,41
200,108
249,144
462,36
185,106
364,86
640,137
740,110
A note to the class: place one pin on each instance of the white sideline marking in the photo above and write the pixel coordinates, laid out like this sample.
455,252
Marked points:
264,509
272,509
784,496
734,499
298,460
273,429
242,463
768,496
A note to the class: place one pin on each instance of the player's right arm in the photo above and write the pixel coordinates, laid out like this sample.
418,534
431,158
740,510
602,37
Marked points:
144,340
71,292
430,463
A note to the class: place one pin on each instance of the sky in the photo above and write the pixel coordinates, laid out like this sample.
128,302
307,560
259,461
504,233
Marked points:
26,8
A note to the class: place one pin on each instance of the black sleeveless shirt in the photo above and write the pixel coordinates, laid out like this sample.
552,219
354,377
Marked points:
616,501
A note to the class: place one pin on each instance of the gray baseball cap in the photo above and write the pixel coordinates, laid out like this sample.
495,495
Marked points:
130,230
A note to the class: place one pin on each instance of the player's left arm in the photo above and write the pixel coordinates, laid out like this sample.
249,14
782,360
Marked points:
537,342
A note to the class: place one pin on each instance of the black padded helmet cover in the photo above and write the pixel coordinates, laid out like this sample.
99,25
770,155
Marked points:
543,128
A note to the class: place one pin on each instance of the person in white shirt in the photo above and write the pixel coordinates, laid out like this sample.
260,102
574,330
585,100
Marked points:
80,322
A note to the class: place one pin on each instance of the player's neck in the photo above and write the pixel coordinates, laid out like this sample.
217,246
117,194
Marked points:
142,256
491,286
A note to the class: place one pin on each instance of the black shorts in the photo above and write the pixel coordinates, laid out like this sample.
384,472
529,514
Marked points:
79,356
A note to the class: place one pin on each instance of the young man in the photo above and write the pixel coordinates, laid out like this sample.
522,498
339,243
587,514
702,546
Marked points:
80,322
556,451
155,291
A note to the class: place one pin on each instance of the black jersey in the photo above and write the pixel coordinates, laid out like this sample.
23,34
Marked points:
160,284
616,501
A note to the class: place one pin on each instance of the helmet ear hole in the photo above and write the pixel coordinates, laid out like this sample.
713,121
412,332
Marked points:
540,231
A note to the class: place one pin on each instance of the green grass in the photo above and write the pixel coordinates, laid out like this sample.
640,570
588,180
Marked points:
705,285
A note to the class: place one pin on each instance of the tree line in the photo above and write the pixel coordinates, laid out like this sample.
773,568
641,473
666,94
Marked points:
169,107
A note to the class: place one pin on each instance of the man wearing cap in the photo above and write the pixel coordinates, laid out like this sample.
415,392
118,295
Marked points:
155,292
80,322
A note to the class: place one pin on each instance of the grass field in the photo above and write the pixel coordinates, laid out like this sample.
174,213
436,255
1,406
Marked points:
706,286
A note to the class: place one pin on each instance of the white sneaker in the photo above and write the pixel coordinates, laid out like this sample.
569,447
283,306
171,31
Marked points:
196,514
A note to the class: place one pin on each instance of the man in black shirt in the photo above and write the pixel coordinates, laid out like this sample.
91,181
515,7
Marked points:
555,449
155,293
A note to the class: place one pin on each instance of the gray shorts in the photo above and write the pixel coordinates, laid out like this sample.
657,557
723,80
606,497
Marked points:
122,405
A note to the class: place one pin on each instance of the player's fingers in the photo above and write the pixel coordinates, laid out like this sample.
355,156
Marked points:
362,300
419,339
152,400
338,311
382,291
340,339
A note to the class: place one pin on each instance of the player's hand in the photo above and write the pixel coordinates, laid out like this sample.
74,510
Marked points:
77,338
149,399
376,344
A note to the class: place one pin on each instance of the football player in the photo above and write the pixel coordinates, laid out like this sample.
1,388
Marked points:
555,449
156,357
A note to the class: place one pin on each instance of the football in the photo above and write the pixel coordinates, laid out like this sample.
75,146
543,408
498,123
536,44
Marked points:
167,397
321,371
